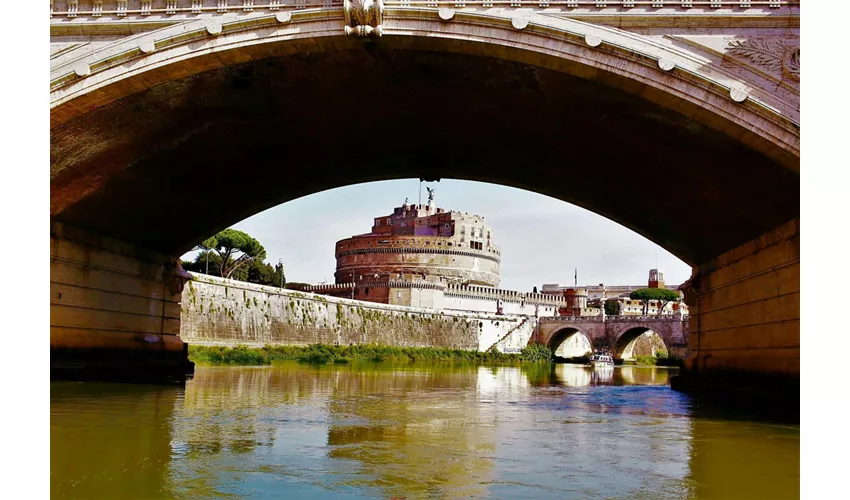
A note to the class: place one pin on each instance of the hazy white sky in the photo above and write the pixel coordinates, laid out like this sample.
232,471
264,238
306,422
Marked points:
543,240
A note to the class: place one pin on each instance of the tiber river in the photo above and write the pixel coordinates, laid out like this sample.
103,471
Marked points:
383,431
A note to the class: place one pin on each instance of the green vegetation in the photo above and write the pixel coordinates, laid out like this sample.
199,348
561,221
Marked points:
660,359
537,352
236,255
646,295
234,248
323,354
612,307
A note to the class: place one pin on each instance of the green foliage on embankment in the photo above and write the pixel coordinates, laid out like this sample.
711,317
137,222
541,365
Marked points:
323,354
660,359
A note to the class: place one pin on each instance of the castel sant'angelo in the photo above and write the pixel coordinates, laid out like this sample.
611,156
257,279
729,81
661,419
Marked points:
425,256
421,242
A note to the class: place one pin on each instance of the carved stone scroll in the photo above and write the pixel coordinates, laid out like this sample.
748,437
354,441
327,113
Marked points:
364,17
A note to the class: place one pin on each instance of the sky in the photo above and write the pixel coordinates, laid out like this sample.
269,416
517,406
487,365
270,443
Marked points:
543,240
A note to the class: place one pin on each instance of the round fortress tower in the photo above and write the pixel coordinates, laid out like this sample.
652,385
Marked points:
421,242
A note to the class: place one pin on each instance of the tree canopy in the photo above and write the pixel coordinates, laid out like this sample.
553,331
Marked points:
646,295
236,255
235,248
612,307
254,271
654,294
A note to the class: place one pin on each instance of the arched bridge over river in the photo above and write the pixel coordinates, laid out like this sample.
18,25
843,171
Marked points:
596,103
613,333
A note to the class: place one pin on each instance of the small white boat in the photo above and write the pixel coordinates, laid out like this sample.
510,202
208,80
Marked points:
601,360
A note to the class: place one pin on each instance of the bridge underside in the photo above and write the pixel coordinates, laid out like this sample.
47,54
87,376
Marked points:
241,139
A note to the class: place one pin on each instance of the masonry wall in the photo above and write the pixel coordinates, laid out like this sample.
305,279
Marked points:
219,311
113,307
745,309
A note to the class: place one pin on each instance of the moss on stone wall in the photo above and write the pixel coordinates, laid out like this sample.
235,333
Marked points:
294,318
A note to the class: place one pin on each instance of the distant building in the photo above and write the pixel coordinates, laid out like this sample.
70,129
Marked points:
656,279
588,300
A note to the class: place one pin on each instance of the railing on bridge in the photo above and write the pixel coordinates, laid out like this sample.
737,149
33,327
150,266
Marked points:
123,8
623,318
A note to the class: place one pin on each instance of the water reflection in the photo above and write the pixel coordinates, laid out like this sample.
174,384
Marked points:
383,431
110,440
419,433
571,375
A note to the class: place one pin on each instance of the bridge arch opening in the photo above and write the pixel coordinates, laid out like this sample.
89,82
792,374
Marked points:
570,343
639,341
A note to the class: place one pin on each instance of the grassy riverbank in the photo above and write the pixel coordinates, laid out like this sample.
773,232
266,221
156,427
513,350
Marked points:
657,360
323,354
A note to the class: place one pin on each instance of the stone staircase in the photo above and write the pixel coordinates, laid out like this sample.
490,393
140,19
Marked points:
508,334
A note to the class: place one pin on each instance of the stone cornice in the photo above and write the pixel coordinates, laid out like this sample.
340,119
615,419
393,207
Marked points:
598,9
621,14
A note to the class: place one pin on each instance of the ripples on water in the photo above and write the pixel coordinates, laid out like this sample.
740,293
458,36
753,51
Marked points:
368,431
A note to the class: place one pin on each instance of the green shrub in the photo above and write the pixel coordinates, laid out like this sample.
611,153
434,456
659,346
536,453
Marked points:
646,360
536,352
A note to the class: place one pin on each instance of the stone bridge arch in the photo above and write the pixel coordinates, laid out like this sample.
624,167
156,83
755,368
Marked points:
86,78
626,340
569,341
154,112
671,331
144,100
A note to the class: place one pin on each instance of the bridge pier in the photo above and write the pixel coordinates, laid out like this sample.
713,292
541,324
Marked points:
114,310
744,325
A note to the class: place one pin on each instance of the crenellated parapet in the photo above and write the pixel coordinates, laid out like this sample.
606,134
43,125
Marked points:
473,291
328,288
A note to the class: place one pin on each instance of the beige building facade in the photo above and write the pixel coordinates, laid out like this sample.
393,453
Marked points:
586,300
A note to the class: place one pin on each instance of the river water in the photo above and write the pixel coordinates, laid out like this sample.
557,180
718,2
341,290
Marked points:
382,431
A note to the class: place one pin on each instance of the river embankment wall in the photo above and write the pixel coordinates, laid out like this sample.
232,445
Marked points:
217,311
